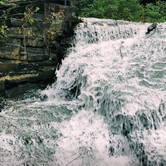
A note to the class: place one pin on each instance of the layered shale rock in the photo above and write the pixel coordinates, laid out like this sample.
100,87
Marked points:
34,36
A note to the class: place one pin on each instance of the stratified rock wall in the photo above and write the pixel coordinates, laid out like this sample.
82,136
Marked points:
33,42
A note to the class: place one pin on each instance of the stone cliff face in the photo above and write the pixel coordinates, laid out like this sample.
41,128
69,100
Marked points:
34,36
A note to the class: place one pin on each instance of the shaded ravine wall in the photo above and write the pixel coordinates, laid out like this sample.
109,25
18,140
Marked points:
30,53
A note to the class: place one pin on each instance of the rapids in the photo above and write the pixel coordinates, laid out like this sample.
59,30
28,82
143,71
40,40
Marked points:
106,108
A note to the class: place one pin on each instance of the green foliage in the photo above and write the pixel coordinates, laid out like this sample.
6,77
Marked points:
162,10
86,7
130,10
28,15
151,13
1,2
3,30
4,27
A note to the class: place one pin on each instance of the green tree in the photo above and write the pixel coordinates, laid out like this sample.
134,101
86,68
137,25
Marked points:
130,10
86,7
151,13
114,9
162,10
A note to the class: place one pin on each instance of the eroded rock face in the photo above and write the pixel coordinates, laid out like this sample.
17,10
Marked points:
34,36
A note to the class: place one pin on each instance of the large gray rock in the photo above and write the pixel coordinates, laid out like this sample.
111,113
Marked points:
30,53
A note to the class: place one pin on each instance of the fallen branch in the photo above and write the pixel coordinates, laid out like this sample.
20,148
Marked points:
76,158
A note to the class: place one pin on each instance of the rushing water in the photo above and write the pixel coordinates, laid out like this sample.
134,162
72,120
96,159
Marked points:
107,107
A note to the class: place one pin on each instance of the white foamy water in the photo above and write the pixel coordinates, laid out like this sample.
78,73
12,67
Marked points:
107,107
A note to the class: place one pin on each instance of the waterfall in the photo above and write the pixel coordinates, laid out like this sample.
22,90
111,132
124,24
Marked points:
106,108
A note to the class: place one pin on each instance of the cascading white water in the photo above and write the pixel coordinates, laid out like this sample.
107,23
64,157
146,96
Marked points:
106,108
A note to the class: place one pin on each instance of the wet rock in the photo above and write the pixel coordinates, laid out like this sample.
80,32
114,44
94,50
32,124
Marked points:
26,90
151,28
2,104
